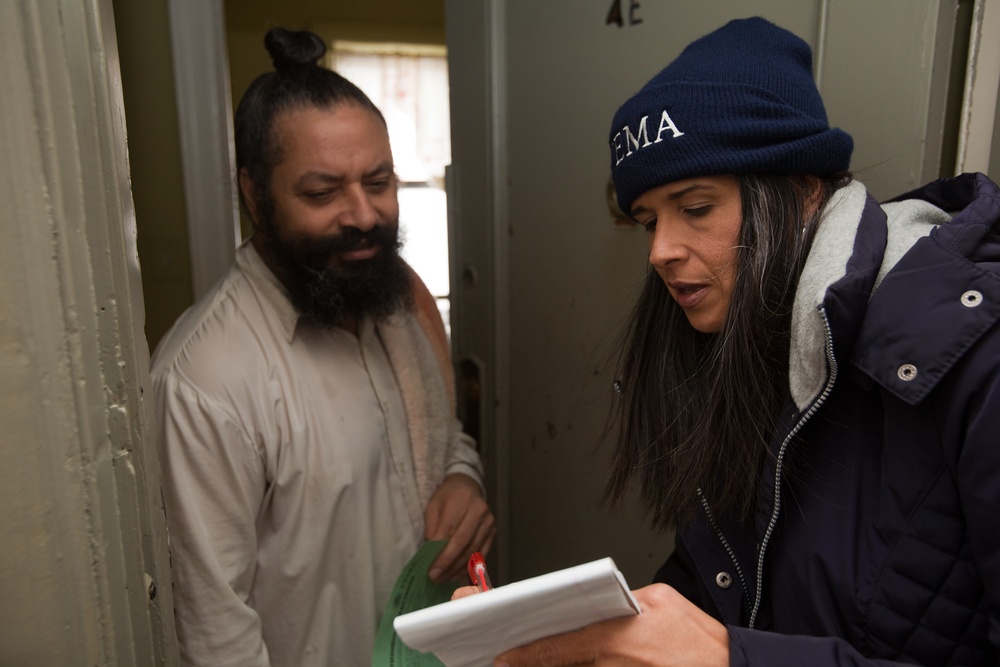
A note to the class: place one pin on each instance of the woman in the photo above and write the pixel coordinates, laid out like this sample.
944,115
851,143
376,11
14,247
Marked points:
809,386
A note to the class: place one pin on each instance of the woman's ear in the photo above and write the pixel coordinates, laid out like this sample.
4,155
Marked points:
249,192
812,196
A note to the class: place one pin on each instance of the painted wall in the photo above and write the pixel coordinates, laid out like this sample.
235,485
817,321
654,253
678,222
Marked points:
154,153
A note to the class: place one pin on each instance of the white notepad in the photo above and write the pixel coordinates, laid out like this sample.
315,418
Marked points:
472,631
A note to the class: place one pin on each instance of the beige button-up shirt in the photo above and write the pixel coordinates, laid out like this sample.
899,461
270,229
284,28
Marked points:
288,479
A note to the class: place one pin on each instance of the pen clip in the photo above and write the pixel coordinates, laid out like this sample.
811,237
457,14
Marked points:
477,572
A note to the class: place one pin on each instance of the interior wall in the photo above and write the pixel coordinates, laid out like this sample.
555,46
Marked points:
143,31
994,169
565,79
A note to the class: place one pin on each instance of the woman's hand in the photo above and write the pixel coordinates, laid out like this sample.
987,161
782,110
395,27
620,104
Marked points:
458,513
464,592
670,632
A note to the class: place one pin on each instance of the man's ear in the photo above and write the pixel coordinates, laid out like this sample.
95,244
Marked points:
249,192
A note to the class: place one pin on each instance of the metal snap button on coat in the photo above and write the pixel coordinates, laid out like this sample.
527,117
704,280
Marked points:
723,580
972,298
907,372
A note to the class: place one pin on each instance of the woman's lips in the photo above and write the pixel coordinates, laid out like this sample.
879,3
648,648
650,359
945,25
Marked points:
688,295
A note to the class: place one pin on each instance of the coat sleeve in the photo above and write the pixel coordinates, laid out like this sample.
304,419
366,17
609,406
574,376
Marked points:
753,648
977,473
213,484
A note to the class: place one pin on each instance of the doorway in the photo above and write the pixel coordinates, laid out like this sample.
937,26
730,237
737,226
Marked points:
409,84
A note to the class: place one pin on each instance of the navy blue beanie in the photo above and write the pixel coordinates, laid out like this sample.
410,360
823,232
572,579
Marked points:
740,100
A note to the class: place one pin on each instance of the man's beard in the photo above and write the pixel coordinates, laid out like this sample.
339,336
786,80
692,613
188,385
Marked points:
331,292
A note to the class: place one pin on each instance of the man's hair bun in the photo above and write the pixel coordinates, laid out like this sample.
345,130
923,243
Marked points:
292,49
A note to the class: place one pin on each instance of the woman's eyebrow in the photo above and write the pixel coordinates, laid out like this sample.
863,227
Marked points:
674,196
689,189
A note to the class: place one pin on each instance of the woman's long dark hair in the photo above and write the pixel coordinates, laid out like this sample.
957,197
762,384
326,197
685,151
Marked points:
696,411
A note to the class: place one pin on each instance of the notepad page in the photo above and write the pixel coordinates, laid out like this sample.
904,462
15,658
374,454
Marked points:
472,631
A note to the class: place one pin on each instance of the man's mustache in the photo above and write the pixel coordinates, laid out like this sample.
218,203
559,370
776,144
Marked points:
351,238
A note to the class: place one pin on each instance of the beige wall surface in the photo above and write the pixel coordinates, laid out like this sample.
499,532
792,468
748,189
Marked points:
154,153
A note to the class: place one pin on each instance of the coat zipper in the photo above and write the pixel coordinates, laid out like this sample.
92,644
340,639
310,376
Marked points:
725,544
776,509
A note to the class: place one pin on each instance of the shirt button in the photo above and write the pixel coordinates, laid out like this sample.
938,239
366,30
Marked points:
723,580
907,372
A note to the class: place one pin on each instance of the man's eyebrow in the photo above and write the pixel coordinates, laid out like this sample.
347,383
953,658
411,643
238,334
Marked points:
322,176
326,177
381,170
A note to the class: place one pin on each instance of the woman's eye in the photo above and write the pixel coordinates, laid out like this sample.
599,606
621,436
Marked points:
648,225
697,211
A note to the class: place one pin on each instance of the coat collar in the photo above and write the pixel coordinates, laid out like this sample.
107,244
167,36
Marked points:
845,250
889,281
941,290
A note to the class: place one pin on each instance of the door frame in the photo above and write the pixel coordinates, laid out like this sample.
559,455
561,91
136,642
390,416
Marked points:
478,238
208,157
981,99
476,186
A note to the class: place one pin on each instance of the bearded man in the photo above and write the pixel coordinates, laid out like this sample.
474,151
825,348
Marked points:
305,407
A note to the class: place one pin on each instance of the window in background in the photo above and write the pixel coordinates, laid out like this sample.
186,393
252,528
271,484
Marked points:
409,84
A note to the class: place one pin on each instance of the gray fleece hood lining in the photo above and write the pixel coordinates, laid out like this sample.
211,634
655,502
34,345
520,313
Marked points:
908,221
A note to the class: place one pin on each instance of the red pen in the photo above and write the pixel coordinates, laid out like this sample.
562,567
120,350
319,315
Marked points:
477,572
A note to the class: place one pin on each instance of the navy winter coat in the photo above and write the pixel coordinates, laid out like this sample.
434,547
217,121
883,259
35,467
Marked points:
878,531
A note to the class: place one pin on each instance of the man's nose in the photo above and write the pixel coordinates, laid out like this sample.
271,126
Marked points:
361,211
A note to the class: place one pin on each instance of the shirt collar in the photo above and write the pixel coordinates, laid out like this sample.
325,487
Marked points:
268,286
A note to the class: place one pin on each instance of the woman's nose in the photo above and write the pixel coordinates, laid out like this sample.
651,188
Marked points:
664,246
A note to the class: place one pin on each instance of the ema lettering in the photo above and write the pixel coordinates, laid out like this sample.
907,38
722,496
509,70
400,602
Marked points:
640,139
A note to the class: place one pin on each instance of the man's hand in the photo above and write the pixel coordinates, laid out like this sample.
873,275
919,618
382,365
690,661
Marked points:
670,632
458,513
